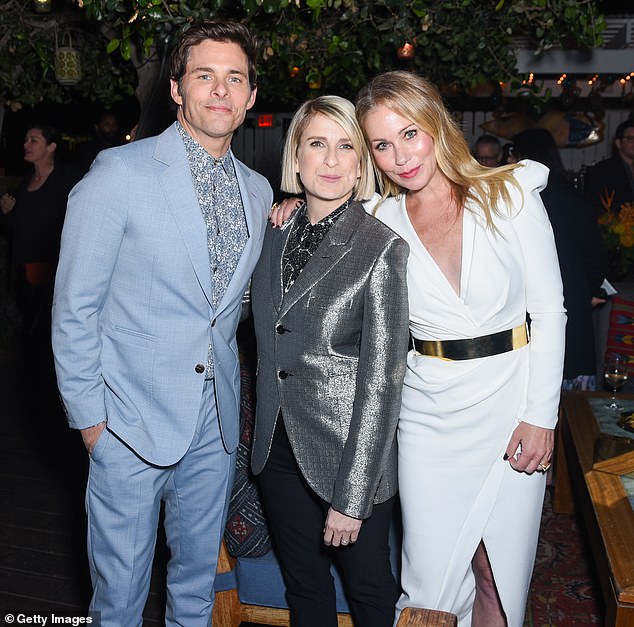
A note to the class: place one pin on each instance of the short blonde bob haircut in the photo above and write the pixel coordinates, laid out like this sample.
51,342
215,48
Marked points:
338,110
417,99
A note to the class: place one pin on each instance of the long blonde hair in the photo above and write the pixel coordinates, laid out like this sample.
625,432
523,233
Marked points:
418,100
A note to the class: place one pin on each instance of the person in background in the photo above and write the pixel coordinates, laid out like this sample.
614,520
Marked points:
479,400
508,154
106,135
488,150
160,240
35,216
582,255
330,313
611,181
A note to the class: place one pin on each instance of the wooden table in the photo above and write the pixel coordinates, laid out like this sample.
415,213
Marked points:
595,491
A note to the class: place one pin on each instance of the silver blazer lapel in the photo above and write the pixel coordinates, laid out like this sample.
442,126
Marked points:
334,247
278,245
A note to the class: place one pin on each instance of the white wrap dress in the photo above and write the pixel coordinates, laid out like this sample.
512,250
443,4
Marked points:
458,416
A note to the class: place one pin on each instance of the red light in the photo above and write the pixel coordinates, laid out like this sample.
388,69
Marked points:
265,120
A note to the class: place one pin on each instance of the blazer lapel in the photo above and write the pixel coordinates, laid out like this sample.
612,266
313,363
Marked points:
333,248
278,245
255,225
178,188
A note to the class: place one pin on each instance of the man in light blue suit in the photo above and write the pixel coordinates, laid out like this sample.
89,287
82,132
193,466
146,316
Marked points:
160,240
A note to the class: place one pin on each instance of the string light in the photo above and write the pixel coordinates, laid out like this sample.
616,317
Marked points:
606,84
42,6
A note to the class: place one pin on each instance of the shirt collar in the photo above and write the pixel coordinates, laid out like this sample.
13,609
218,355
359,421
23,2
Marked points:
194,149
326,221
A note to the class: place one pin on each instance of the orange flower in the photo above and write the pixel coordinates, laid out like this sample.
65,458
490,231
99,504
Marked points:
626,225
607,199
618,231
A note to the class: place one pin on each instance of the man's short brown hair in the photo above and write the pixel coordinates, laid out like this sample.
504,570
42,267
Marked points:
214,30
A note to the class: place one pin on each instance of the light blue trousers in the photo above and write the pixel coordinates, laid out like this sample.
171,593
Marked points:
123,500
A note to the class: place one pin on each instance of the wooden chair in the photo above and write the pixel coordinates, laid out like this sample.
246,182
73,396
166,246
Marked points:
229,611
420,617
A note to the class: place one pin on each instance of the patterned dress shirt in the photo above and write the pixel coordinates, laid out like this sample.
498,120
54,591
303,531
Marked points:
303,241
219,198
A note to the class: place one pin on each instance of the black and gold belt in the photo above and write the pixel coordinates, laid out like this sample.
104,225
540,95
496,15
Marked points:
474,347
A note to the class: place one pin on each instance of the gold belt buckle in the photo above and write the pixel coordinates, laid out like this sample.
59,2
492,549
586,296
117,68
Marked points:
434,348
520,336
492,344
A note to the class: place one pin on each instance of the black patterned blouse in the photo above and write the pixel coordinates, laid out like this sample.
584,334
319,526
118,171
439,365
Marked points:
303,241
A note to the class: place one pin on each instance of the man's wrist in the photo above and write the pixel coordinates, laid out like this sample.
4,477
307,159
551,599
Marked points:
95,425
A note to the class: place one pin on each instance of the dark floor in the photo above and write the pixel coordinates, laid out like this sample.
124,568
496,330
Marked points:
43,566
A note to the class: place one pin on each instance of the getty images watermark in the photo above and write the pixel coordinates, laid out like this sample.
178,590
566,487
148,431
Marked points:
21,618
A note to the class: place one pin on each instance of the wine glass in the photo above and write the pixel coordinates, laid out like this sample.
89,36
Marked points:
615,373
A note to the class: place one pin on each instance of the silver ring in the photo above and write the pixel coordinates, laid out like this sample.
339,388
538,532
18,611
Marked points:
344,542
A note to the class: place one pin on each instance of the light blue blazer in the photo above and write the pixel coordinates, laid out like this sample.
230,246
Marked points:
132,312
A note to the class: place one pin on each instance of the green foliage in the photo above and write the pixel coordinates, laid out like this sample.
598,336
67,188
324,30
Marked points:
325,46
27,57
321,46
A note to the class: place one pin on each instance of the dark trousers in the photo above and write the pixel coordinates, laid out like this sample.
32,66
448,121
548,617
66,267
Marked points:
296,516
34,302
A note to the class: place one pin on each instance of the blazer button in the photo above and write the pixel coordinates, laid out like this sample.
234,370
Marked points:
282,374
280,329
199,368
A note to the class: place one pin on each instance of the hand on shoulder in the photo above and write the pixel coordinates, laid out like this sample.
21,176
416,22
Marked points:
282,211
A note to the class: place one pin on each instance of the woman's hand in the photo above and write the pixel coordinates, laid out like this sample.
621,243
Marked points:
340,530
535,446
281,212
7,203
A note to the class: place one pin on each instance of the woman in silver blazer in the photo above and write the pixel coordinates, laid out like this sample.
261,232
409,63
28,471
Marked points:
330,310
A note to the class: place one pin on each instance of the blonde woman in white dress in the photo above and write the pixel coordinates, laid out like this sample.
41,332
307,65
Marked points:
480,399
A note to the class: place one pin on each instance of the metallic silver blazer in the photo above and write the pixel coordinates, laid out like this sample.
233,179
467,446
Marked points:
332,356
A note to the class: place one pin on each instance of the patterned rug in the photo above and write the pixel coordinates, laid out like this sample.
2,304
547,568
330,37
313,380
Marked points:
563,591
